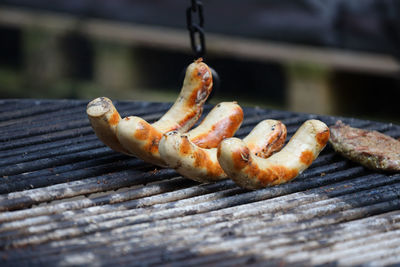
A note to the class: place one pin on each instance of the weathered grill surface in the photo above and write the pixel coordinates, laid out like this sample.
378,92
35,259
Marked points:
67,199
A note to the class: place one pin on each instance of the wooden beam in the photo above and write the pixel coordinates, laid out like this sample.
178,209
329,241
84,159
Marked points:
177,39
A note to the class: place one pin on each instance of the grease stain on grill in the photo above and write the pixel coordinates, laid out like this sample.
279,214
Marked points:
190,212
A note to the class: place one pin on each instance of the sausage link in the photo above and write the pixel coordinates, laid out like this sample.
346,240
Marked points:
221,122
104,118
142,139
187,109
184,113
201,164
267,138
253,172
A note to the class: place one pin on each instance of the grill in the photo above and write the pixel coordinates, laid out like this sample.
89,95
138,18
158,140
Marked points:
66,199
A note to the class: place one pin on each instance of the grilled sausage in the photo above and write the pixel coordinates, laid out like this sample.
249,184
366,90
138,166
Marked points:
221,122
142,139
186,110
201,164
253,172
104,118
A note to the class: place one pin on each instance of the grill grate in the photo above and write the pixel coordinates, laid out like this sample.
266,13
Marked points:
66,199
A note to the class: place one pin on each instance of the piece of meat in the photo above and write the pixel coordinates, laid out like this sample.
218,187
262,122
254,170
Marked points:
136,137
201,164
371,149
253,172
142,139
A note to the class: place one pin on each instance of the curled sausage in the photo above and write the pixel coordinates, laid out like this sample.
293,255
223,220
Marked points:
104,118
201,164
142,140
221,122
184,113
253,172
188,107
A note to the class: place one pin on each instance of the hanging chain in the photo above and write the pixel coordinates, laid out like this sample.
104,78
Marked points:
197,39
196,31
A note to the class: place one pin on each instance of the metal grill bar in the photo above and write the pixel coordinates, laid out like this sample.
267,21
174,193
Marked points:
192,240
114,209
27,108
49,134
365,225
163,214
88,185
280,203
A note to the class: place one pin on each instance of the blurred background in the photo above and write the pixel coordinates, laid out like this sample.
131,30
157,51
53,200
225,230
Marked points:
334,57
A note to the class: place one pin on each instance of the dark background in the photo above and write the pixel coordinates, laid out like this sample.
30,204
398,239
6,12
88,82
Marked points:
34,63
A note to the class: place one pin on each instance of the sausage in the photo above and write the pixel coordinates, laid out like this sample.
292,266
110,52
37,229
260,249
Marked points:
222,122
252,172
266,138
142,139
201,164
187,109
184,113
104,118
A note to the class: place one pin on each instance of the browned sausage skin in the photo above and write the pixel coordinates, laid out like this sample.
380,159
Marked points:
201,164
185,112
253,172
104,118
188,107
222,122
142,139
